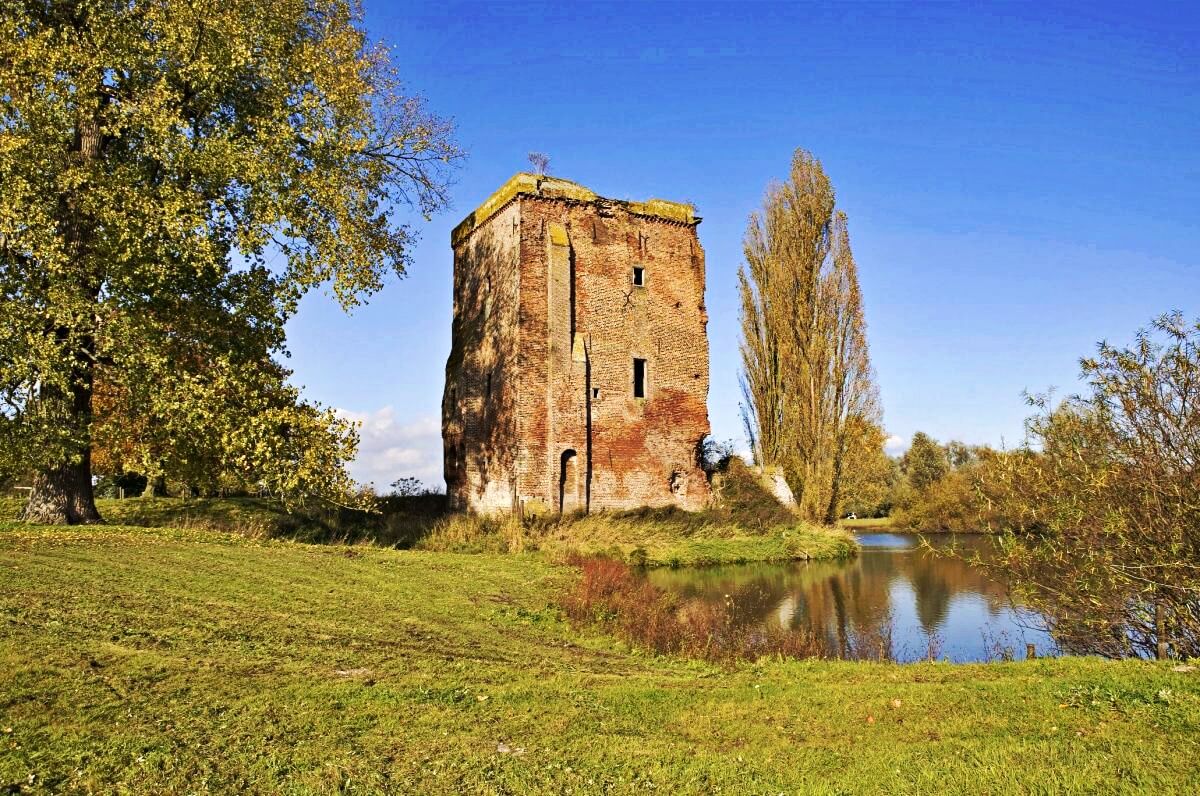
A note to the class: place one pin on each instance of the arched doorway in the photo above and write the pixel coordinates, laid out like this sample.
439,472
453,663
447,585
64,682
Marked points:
568,482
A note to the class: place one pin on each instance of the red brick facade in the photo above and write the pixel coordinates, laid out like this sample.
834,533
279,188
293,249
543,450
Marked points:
541,411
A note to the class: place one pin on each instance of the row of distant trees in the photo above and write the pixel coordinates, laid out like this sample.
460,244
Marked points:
935,489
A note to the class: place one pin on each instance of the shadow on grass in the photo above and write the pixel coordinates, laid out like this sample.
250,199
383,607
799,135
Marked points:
400,521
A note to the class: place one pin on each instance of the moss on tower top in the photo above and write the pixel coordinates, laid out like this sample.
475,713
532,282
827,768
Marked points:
558,188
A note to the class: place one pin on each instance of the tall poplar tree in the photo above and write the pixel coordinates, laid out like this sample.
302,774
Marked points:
809,396
176,177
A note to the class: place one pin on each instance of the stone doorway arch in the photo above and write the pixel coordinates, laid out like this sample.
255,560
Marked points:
569,498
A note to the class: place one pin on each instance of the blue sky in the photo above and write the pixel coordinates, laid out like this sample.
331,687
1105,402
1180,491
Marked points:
1022,180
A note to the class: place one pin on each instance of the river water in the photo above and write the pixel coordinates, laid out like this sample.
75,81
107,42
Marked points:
895,593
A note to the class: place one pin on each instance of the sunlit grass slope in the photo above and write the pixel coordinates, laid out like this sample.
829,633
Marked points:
182,661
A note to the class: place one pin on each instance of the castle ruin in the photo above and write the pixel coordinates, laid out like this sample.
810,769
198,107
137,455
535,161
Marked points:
578,373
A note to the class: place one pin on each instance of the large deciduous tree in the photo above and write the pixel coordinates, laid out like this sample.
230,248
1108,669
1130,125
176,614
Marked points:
809,394
176,176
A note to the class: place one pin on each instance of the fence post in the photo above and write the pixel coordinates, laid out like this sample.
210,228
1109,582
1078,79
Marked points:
1160,630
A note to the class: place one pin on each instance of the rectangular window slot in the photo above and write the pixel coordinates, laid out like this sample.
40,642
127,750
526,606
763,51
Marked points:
595,392
639,276
639,378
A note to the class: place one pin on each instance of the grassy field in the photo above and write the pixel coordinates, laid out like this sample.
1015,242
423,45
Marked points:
188,661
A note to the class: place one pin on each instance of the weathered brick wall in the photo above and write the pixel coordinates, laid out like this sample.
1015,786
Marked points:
637,445
566,348
479,431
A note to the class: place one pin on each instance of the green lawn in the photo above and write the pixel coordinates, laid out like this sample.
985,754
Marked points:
186,661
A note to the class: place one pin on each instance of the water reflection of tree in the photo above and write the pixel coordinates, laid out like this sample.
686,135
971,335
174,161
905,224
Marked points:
842,601
933,593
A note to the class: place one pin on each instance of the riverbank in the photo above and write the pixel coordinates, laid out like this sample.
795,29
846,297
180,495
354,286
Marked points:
868,524
892,525
159,660
669,540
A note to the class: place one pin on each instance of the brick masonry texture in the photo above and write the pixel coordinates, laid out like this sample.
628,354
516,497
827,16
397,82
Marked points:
539,412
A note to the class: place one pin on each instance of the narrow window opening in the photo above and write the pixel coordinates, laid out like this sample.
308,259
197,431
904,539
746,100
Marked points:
595,392
489,386
571,261
639,378
639,276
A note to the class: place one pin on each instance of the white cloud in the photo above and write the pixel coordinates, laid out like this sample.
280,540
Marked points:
391,448
895,445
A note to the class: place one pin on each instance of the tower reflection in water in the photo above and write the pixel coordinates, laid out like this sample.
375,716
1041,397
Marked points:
895,594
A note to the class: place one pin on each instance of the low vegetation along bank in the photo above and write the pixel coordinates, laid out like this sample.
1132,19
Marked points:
146,660
745,524
642,539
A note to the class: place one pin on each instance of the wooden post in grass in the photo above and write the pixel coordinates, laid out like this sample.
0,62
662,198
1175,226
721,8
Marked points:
1160,630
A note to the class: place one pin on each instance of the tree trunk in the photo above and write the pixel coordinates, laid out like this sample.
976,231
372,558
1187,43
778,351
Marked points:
63,495
1160,631
835,493
62,492
155,487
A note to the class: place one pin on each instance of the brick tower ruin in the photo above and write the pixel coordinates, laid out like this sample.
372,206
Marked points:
578,373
